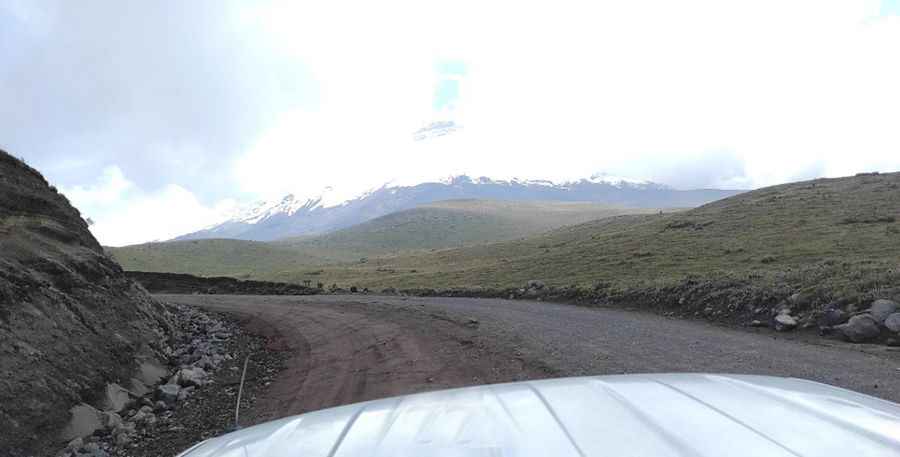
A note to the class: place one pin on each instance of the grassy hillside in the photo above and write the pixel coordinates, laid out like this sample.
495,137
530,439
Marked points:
837,233
235,258
439,225
453,223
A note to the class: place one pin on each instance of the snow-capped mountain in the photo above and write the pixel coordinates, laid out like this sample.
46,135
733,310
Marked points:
294,216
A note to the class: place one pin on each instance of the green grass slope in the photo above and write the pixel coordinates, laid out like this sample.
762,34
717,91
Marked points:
440,225
452,223
215,257
823,233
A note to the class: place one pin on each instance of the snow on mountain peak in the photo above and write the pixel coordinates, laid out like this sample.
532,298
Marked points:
620,181
330,197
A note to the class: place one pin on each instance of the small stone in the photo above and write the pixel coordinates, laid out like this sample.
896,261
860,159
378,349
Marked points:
75,444
167,393
757,323
832,316
123,439
785,322
893,322
191,377
185,393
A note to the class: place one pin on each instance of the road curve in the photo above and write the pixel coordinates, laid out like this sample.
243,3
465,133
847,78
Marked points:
345,349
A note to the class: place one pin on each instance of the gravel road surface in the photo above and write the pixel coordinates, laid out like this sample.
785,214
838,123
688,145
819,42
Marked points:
345,349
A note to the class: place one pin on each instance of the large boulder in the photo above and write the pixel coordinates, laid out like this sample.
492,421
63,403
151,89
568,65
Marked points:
860,328
893,322
881,309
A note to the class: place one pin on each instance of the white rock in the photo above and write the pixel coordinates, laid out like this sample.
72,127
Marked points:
785,322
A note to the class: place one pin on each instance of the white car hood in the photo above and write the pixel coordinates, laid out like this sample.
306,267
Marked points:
628,415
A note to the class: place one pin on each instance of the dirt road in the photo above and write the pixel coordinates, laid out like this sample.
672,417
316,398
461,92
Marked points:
353,348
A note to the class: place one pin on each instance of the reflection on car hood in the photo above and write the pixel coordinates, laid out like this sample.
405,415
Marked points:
627,415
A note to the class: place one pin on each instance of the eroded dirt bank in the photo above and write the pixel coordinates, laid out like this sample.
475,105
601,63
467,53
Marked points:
345,349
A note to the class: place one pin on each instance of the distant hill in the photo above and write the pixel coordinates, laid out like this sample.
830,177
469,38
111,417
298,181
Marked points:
839,234
436,225
292,216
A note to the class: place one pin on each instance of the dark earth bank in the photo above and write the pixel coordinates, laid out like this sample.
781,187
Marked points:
177,283
71,322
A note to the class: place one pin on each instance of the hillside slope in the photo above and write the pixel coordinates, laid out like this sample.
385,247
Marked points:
454,223
835,233
70,321
294,216
437,225
216,257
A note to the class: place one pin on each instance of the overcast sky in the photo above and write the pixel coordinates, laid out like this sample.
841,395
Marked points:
157,117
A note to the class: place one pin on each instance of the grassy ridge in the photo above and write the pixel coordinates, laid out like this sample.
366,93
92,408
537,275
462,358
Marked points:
456,223
840,231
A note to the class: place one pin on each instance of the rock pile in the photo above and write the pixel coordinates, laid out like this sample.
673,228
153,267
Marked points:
198,351
882,319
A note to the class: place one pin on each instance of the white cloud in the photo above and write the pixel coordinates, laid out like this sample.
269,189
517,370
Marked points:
691,93
563,89
124,214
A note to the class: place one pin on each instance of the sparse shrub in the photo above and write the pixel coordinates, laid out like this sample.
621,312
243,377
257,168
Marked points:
768,259
675,225
872,219
353,289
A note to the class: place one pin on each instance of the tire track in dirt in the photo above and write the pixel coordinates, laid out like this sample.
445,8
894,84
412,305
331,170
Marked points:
346,349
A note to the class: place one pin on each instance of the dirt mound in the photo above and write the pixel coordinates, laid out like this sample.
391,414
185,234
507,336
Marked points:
70,320
178,283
